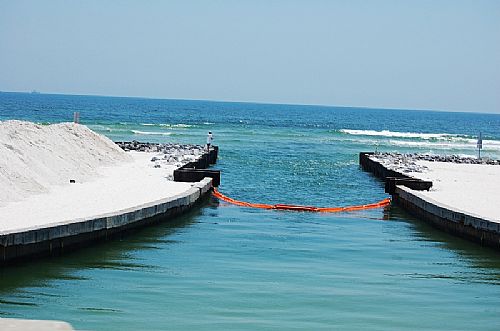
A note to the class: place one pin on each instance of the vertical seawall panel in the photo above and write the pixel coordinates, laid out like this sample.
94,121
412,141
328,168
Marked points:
55,239
456,222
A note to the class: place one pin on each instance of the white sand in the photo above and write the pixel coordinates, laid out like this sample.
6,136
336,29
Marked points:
473,189
40,160
36,157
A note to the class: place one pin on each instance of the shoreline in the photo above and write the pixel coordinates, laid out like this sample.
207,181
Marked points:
54,239
460,200
66,186
115,188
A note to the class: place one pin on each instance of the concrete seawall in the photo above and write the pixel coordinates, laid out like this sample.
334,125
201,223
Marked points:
55,239
461,223
457,222
13,324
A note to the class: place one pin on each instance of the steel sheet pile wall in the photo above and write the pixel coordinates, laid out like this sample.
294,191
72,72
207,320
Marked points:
457,222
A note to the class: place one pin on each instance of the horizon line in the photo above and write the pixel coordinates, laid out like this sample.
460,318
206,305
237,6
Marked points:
37,92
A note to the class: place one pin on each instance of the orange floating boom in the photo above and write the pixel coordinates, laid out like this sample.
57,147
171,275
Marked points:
379,204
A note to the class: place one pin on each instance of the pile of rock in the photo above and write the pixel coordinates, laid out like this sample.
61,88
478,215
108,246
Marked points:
138,146
403,163
166,154
407,162
460,159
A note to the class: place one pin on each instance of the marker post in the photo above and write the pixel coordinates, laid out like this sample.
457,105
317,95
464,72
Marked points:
479,145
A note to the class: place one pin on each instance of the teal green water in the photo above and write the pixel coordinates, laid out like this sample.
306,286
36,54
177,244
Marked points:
225,267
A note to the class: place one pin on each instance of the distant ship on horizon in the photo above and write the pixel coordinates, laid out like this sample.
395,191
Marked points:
35,92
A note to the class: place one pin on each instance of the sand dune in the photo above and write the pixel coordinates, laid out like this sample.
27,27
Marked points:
38,162
36,157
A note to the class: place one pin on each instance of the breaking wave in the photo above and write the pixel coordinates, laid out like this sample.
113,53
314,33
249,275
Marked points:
148,133
165,125
424,140
395,134
487,144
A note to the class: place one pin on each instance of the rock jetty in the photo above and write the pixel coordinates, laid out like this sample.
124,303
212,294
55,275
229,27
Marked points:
462,199
407,163
165,154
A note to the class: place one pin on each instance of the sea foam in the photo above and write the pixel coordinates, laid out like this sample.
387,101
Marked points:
395,134
150,133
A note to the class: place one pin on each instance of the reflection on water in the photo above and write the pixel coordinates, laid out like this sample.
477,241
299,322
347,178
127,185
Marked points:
27,284
483,262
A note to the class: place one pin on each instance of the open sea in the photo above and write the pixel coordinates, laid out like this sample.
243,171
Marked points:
223,267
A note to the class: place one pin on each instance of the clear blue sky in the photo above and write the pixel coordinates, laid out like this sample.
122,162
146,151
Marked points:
442,55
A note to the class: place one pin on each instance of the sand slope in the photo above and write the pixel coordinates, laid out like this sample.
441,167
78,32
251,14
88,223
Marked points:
38,162
35,157
125,185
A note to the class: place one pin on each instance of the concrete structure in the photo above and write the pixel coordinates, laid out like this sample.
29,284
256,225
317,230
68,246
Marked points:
54,239
404,191
69,235
14,324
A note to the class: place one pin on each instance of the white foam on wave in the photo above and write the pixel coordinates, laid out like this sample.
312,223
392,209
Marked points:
439,140
392,134
464,145
166,125
101,128
443,145
179,125
151,133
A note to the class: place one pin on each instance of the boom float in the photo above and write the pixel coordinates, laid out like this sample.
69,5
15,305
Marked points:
379,204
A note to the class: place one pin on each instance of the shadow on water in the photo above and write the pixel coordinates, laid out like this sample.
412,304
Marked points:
484,260
113,254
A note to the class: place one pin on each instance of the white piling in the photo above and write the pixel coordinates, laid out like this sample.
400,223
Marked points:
479,145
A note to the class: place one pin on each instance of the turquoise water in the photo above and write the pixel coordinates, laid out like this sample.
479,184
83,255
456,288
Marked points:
226,267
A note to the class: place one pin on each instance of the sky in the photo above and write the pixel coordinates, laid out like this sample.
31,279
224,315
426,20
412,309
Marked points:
439,55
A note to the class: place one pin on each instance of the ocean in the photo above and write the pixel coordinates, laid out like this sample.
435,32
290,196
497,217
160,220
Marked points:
225,267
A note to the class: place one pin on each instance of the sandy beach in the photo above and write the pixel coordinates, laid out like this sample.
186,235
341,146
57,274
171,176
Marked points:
116,188
470,188
39,161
